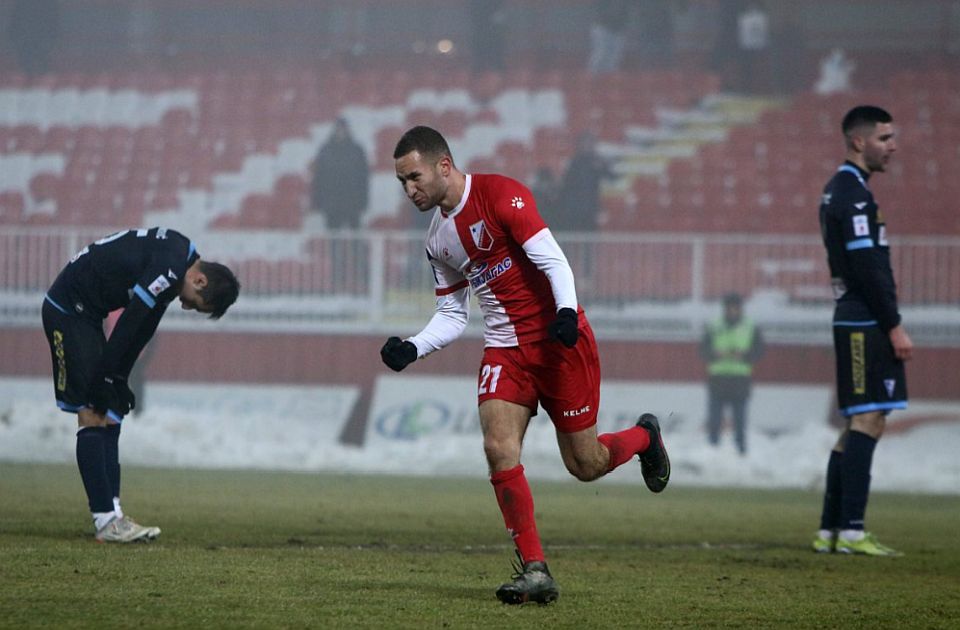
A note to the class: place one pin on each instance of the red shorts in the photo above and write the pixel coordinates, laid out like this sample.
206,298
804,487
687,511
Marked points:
566,381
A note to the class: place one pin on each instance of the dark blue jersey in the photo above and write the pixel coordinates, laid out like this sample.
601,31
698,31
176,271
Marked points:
857,251
141,271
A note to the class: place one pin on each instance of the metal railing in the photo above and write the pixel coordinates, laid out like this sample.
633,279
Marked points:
662,285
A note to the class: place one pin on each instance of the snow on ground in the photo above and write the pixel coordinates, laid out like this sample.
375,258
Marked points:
280,427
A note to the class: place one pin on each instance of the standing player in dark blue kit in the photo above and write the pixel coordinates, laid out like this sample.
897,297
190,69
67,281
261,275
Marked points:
870,341
141,271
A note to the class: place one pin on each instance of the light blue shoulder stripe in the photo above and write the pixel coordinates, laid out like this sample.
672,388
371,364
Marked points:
191,250
869,322
146,297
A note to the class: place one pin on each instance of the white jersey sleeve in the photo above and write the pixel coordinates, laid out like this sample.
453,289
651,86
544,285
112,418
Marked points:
544,252
452,310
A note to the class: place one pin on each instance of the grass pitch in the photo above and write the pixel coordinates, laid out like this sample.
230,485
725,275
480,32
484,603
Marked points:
277,550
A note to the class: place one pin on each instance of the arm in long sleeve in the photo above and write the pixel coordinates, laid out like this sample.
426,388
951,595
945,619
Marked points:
448,322
133,330
757,347
874,278
543,251
144,335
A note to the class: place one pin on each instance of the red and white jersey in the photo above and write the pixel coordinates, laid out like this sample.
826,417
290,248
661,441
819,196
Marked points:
496,245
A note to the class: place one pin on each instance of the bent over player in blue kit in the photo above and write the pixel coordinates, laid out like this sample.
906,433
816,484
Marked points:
141,271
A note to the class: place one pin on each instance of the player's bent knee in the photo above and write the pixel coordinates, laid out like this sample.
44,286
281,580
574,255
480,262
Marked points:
584,470
501,456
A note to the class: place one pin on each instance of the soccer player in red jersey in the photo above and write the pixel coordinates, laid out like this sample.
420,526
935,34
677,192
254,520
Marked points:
487,237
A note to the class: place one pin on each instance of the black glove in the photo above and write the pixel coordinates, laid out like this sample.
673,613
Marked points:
124,393
398,354
102,396
564,327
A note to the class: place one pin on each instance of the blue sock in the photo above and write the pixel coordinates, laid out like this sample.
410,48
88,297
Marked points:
111,451
832,495
855,476
93,471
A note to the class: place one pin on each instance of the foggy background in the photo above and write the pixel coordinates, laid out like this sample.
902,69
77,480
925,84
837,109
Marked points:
700,134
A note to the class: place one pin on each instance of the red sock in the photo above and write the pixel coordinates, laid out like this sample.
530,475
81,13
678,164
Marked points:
516,504
623,445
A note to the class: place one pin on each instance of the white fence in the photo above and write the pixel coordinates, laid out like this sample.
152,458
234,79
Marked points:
662,286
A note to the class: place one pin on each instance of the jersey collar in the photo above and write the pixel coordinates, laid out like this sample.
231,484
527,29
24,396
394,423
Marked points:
463,199
859,173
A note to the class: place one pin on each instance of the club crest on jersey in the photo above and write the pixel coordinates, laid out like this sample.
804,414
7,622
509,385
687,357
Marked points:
481,236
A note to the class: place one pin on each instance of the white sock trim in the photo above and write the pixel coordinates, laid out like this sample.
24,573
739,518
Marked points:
102,519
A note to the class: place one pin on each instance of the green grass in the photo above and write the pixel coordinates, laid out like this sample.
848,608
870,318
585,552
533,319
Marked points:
277,550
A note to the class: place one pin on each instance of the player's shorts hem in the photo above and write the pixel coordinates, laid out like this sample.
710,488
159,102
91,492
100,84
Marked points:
575,428
70,408
534,408
868,407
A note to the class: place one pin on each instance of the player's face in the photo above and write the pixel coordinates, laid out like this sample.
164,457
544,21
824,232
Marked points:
878,146
191,300
422,178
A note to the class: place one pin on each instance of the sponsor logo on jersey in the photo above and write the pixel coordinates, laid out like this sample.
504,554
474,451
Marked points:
825,198
860,225
480,273
158,286
162,233
860,205
171,274
517,203
481,236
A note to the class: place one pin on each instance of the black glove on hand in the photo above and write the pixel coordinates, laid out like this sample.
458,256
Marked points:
564,327
102,395
127,399
398,354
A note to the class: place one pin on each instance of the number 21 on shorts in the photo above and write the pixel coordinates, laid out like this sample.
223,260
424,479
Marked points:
489,375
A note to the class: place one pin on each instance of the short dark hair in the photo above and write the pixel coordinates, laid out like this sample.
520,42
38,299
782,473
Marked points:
863,115
222,287
426,140
732,299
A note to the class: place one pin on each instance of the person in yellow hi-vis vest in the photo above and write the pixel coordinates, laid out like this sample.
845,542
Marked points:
730,347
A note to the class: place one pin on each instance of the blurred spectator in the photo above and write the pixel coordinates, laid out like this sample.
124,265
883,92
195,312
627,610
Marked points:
487,25
579,201
655,31
545,189
34,30
753,37
835,72
608,35
730,346
340,183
